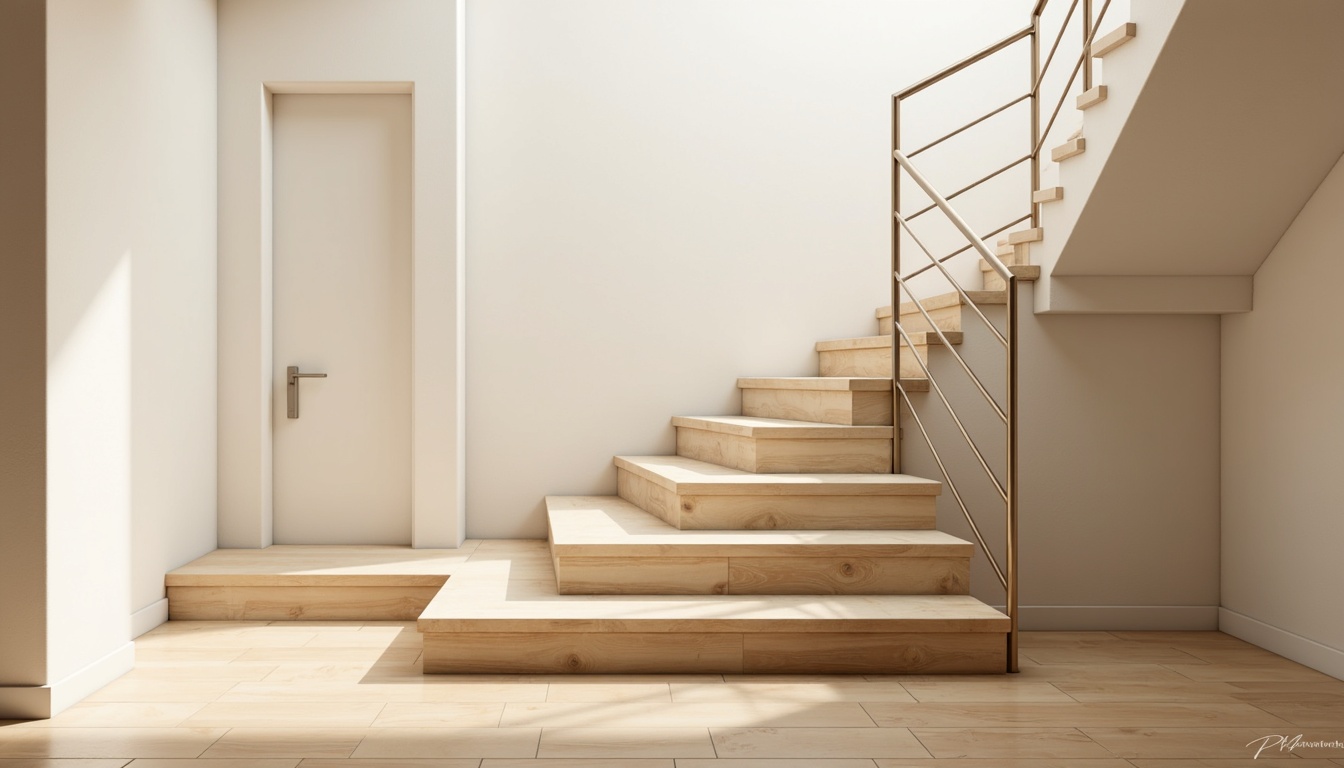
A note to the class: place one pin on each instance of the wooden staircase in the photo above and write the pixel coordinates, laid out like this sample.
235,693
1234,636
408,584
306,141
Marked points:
777,541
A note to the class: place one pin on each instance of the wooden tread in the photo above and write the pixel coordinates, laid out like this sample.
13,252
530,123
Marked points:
1092,97
603,545
1070,148
1048,195
1024,272
1114,39
697,495
827,383
757,444
834,400
503,616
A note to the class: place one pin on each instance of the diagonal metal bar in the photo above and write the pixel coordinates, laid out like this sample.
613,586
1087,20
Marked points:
965,248
952,486
965,297
973,123
933,384
947,72
969,187
943,338
1058,39
1087,51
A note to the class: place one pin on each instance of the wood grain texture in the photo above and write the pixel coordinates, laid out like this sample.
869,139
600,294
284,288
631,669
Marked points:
305,565
829,406
782,653
582,653
1114,39
786,455
641,575
848,576
386,603
1091,98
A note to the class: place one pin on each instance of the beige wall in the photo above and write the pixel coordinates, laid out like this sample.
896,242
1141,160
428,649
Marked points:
1283,408
129,332
22,349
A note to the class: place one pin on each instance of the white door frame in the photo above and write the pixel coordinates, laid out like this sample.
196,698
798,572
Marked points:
245,334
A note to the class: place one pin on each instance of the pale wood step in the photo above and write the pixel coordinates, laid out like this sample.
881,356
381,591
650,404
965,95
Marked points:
1092,97
1114,39
1070,148
1034,235
292,582
604,545
502,615
944,309
697,495
834,400
1048,195
870,356
994,282
755,444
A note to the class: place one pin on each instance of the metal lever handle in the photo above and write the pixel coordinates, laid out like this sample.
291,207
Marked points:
292,389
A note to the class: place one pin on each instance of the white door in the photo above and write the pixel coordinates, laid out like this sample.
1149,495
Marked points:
342,307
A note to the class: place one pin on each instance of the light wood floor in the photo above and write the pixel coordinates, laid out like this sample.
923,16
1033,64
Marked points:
350,695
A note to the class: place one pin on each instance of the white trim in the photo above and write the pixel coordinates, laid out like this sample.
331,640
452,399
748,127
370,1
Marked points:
1117,617
1303,650
41,702
149,617
1144,294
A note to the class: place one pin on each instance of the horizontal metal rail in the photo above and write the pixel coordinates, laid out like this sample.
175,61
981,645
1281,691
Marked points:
966,248
965,297
973,123
952,215
947,72
970,186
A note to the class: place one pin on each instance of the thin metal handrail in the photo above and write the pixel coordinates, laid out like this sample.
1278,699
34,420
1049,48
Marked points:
1087,49
973,123
947,72
966,247
952,215
965,297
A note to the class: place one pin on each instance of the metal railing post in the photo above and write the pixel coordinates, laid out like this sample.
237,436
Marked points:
895,287
1087,37
1010,558
1035,115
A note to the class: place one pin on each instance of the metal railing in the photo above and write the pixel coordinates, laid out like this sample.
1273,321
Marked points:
1005,486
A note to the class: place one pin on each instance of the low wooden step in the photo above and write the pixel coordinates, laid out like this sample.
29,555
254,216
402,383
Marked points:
871,355
604,545
754,444
1048,195
503,616
1114,39
944,309
297,583
833,400
697,495
1092,97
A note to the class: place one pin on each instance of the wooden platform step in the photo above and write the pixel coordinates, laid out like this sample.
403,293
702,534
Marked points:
296,583
850,400
870,356
994,282
1070,148
503,616
1092,97
604,545
943,308
754,444
697,495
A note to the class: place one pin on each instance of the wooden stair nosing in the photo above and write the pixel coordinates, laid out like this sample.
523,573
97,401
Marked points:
918,338
782,429
1091,98
826,383
1114,39
693,477
944,300
611,526
1070,148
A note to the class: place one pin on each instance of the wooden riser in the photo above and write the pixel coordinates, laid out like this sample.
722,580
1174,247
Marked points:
830,407
875,361
602,545
601,653
775,446
313,603
691,495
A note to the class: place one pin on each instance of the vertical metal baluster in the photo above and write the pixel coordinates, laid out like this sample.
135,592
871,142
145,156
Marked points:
895,288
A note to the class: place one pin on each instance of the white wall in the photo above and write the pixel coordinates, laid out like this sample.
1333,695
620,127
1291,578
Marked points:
338,46
130,205
1282,410
664,196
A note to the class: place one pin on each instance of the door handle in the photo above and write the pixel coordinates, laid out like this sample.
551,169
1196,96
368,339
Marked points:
292,389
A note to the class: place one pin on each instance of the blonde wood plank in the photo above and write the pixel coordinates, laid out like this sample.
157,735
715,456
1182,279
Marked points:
313,602
777,429
998,743
878,653
1091,98
687,715
807,512
848,576
437,742
439,715
1226,743
582,653
841,689
589,746
271,714
365,689
1114,39
1032,762
842,384
1048,195
1050,714
1025,236
615,575
285,742
295,565
697,478
832,407
1070,148
447,762
652,497
596,526
95,743
1028,273
883,341
786,455
813,744
609,692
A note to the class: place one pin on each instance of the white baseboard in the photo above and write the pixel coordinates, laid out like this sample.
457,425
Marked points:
1287,644
41,702
1118,617
149,617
